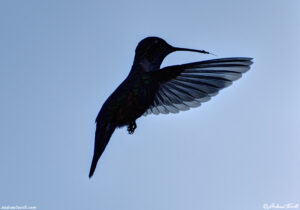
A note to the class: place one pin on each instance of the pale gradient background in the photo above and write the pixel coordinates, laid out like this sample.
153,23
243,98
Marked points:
60,60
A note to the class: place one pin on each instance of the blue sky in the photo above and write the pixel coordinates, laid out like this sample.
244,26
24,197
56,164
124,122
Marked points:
60,60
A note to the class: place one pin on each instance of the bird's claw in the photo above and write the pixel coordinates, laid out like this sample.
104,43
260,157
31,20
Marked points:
131,127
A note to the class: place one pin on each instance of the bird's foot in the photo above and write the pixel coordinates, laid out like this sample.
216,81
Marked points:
131,127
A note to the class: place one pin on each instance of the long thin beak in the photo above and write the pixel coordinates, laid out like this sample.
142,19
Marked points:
192,50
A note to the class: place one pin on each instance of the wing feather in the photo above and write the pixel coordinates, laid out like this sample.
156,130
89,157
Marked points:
184,86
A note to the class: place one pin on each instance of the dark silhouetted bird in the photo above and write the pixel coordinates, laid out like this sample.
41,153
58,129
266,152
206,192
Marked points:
149,89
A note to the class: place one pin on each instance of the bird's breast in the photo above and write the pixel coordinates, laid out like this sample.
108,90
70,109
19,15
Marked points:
131,99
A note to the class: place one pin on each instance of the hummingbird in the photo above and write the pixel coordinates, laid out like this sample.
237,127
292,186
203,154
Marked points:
150,89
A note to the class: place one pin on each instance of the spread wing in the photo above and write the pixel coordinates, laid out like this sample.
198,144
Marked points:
184,86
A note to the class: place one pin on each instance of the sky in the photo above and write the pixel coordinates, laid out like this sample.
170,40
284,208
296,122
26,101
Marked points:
60,60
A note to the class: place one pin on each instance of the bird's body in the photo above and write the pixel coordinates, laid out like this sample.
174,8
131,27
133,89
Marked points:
149,89
129,101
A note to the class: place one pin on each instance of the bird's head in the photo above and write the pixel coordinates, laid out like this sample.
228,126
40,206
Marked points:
152,50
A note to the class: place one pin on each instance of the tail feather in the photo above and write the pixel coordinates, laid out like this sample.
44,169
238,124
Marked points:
102,136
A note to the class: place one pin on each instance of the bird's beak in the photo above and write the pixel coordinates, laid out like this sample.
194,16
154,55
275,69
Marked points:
191,50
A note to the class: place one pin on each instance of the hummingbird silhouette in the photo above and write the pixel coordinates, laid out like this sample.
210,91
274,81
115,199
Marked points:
150,89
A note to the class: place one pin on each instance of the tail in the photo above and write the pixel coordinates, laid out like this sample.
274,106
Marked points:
102,136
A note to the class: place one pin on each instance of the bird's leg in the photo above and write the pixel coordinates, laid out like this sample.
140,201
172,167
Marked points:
131,127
